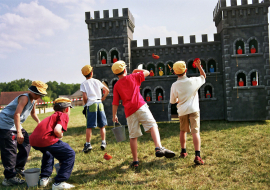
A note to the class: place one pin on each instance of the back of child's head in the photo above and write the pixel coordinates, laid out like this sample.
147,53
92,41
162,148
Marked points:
119,67
179,68
87,71
60,104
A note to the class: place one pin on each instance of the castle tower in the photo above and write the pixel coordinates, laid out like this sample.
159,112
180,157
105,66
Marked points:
244,38
109,41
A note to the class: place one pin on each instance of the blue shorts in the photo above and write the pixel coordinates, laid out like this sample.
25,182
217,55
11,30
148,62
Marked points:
95,115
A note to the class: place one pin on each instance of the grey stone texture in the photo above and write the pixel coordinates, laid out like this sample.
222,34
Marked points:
237,24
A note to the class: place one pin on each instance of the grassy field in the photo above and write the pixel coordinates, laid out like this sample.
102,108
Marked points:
236,155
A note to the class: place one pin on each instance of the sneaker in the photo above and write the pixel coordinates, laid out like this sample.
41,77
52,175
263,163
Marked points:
62,185
20,172
43,182
103,145
164,152
87,148
198,161
183,155
135,165
12,181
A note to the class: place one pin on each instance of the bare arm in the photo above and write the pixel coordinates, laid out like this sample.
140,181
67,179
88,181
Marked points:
145,72
84,97
106,93
22,101
114,112
58,131
34,115
198,64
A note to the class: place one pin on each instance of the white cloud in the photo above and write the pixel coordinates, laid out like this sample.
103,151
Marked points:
27,25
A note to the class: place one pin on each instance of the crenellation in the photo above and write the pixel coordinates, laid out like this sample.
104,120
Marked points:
216,37
87,16
180,39
115,13
255,1
223,3
192,38
168,40
233,2
204,38
244,2
157,41
106,14
133,43
145,43
96,15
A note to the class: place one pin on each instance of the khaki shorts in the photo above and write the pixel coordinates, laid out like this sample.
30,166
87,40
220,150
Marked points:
144,116
193,119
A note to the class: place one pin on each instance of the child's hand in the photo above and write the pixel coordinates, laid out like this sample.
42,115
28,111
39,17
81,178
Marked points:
115,119
198,63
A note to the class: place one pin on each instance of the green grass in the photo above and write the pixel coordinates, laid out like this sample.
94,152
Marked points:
236,155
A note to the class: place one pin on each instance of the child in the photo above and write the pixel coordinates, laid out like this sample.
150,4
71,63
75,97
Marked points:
13,136
127,89
185,92
46,138
95,115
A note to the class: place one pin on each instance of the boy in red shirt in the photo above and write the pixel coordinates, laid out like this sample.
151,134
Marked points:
127,89
46,138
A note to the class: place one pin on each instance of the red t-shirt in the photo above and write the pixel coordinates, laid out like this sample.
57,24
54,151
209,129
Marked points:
127,89
43,135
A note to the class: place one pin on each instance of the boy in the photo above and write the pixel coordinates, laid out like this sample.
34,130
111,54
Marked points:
13,136
185,92
95,115
127,89
46,138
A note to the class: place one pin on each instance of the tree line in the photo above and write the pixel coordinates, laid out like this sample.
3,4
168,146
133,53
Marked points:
54,88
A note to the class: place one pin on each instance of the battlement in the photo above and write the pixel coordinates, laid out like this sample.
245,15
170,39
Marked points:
180,41
222,5
106,16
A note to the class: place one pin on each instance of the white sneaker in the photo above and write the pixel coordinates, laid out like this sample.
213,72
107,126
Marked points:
62,185
43,182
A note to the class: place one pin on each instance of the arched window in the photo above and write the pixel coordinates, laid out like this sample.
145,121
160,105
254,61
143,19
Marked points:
208,91
254,78
212,66
191,69
114,82
203,63
241,79
114,56
151,68
240,47
253,46
169,68
103,57
147,95
159,94
161,69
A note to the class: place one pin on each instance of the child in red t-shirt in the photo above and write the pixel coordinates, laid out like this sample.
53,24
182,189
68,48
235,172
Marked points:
46,138
127,89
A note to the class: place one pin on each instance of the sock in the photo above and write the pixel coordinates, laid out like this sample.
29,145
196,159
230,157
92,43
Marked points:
103,141
197,153
56,184
157,148
184,150
87,143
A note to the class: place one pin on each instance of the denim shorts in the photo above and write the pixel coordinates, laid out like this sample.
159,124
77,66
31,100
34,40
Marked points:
95,115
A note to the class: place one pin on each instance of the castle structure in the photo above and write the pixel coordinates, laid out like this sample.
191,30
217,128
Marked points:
236,63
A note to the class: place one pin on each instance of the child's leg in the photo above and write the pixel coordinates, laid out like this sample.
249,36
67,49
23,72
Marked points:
103,133
196,141
156,136
133,146
183,136
47,164
88,134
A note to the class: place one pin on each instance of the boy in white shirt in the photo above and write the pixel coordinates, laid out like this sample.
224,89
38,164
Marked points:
184,92
95,114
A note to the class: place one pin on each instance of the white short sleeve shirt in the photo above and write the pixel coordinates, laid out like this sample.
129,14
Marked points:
92,87
185,92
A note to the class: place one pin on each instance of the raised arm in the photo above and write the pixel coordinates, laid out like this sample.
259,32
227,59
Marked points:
198,64
145,72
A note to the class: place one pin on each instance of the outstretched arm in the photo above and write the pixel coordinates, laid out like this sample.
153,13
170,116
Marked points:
198,64
145,72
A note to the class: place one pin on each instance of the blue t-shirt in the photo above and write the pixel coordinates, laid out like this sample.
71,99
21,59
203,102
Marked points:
7,114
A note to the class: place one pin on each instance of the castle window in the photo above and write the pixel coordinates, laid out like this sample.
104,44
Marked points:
113,83
147,95
253,46
212,66
169,68
203,65
161,69
151,68
159,94
199,92
208,93
191,69
114,56
103,57
254,78
240,47
241,79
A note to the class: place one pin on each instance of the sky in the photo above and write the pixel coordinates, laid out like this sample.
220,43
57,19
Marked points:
47,40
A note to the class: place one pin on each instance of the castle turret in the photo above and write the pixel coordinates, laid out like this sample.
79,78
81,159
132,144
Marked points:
243,31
